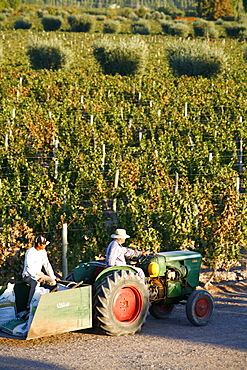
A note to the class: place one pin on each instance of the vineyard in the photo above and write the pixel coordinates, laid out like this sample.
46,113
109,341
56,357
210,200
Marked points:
159,155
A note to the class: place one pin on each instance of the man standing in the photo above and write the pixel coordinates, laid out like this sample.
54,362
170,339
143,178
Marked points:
35,259
116,252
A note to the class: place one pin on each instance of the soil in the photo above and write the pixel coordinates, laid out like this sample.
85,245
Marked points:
172,344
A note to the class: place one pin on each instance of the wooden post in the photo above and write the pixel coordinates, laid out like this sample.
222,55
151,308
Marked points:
6,141
94,138
91,120
55,143
114,205
121,112
185,109
64,251
237,184
140,135
103,158
176,183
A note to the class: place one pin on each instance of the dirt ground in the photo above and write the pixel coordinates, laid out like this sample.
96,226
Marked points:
172,344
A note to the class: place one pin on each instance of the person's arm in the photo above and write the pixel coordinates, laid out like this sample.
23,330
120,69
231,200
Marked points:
128,252
47,266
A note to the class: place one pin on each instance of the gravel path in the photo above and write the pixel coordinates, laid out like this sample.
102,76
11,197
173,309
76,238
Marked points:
162,344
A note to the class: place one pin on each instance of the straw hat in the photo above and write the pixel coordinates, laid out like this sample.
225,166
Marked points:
120,234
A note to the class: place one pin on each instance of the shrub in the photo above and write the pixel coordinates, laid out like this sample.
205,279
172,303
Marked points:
234,30
133,16
193,59
62,14
242,18
81,23
8,11
101,17
51,23
141,27
23,23
219,22
243,35
120,18
2,21
148,15
125,57
50,54
211,33
42,13
166,26
156,15
245,53
179,29
199,27
111,26
3,17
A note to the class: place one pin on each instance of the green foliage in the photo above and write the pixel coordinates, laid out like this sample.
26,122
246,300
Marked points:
245,53
141,27
125,57
166,26
51,23
177,173
1,54
14,4
23,23
234,30
179,29
111,26
211,33
3,18
214,9
48,54
81,23
194,59
200,25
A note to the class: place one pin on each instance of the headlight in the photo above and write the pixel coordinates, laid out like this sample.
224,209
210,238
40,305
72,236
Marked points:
153,269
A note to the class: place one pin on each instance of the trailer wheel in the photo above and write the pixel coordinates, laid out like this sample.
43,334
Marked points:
120,304
200,307
161,310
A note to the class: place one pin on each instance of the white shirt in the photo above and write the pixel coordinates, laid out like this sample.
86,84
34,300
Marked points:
34,261
115,254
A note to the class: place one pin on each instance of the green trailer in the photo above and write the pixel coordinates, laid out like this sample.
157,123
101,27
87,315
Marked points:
58,312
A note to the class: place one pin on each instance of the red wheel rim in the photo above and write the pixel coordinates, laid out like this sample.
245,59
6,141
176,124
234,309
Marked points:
127,304
202,307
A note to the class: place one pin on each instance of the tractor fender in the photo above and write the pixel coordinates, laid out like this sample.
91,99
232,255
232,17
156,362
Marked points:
109,271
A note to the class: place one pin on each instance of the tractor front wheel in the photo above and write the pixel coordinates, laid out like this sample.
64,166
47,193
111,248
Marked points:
121,303
161,310
200,307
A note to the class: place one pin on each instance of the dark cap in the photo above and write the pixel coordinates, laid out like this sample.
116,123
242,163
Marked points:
41,240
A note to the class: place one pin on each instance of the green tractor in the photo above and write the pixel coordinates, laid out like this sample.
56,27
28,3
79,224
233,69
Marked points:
121,299
113,300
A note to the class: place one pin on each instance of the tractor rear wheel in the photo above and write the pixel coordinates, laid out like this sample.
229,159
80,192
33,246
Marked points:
200,307
120,304
161,310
